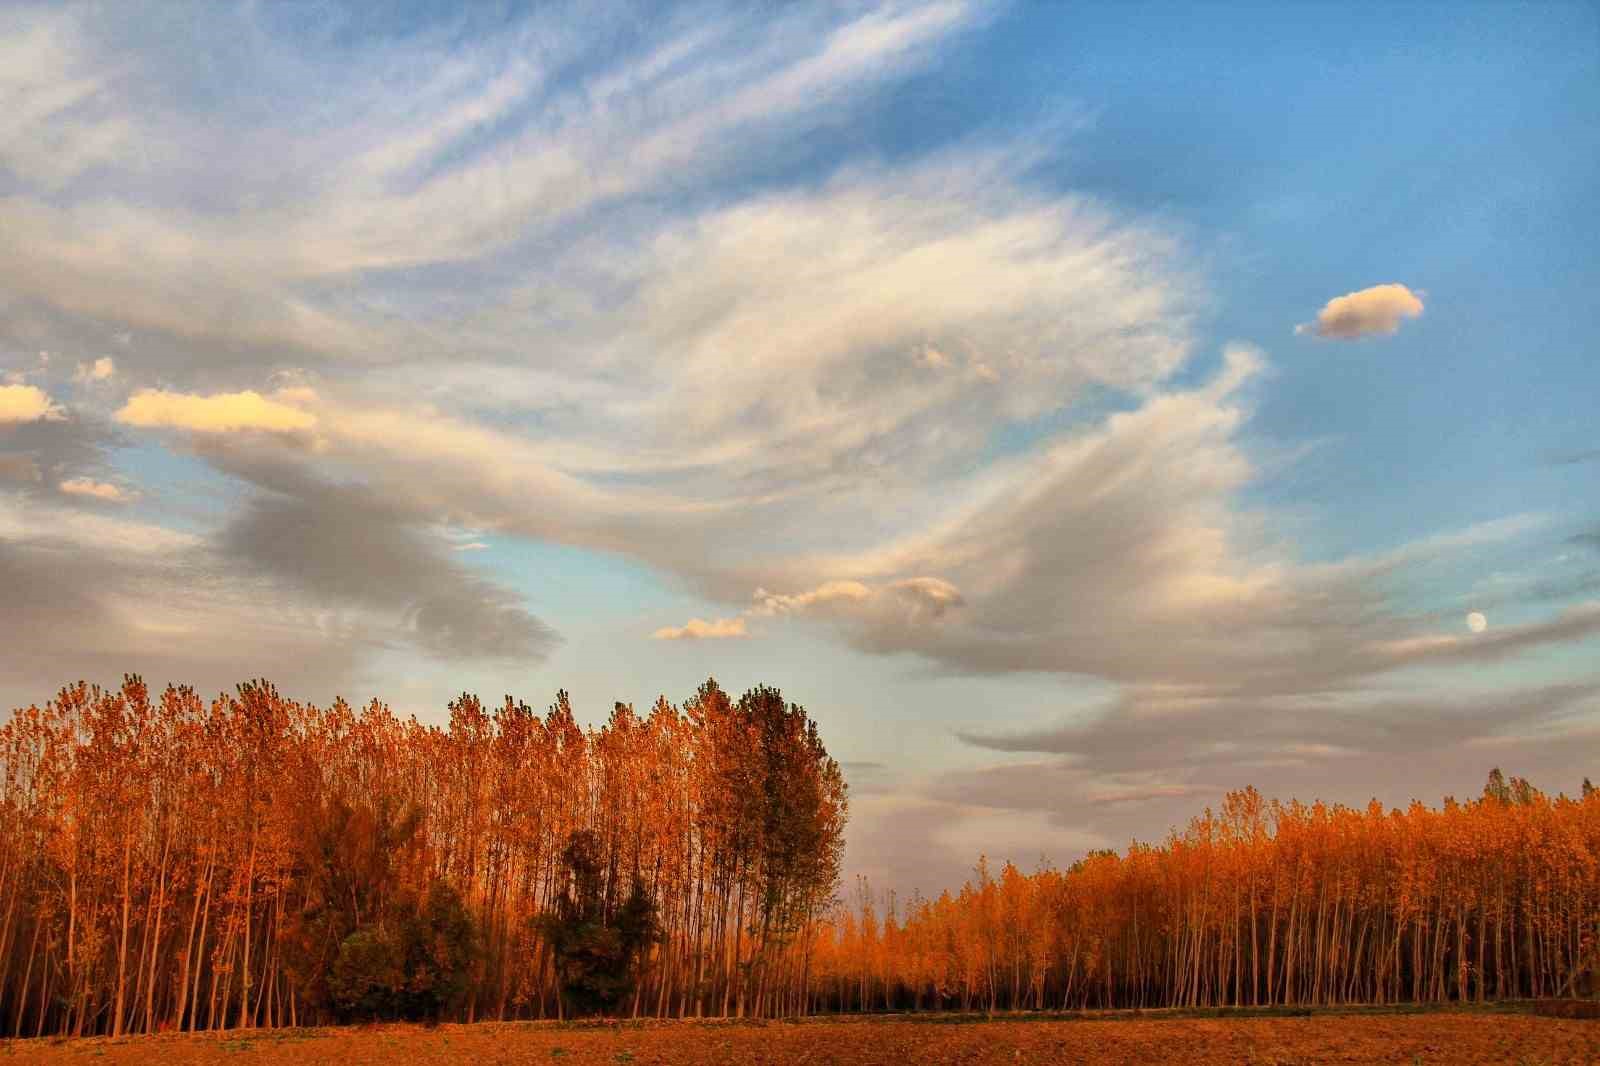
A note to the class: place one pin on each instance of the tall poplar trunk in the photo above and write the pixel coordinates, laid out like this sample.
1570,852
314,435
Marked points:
244,969
122,938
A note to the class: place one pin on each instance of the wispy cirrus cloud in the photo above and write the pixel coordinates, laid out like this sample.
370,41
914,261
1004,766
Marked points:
496,146
61,116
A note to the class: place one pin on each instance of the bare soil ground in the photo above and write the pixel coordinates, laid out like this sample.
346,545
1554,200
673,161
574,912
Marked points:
1454,1037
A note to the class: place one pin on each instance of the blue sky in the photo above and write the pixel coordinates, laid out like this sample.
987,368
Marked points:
1081,410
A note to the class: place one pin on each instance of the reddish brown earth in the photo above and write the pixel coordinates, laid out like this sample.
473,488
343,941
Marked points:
1455,1038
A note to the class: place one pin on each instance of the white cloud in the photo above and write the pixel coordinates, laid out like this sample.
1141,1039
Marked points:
1121,551
25,403
97,490
60,116
802,306
1377,311
398,185
699,629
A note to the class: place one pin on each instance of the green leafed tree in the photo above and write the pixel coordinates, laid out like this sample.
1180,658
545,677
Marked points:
597,955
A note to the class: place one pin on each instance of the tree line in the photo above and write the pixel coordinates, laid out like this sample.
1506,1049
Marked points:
1259,904
173,863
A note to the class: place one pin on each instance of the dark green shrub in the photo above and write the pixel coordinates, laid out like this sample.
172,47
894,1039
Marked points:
596,959
366,978
438,945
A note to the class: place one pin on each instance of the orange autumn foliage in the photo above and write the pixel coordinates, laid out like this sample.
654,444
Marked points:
1258,904
169,863
172,864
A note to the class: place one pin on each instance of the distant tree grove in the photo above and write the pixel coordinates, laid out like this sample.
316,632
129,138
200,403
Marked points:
1260,904
171,863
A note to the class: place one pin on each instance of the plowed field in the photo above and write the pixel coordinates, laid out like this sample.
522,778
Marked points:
1454,1038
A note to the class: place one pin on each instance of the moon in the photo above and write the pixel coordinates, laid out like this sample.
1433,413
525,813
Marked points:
1477,622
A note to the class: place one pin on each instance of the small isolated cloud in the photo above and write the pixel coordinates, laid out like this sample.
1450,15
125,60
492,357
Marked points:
225,412
97,490
1377,311
471,546
25,403
700,629
101,369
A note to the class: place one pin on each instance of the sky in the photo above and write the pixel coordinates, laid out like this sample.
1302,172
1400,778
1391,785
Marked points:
1082,410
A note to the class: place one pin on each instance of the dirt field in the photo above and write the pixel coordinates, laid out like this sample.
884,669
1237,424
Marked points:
1444,1038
